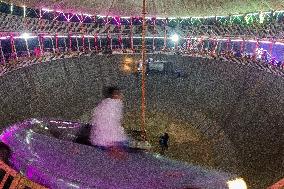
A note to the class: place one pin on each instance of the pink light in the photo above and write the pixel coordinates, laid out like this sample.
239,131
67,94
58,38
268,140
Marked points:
60,11
80,19
56,16
67,18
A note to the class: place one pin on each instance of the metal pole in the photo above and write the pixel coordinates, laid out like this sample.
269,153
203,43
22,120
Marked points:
111,43
131,34
56,42
40,43
96,42
120,34
89,44
65,44
83,42
13,47
70,42
27,46
143,100
53,48
2,53
153,42
165,34
77,43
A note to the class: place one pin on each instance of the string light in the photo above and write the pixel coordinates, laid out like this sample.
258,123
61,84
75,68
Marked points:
242,19
261,17
24,11
11,8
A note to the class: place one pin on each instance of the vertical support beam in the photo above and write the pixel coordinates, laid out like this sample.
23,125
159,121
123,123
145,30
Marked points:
40,43
143,100
208,43
154,36
215,46
165,33
256,47
109,45
89,44
70,42
83,42
131,34
65,44
27,47
77,44
53,48
120,34
13,47
96,41
56,42
228,44
2,54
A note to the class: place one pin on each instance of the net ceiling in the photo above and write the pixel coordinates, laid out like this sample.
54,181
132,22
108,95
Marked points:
158,8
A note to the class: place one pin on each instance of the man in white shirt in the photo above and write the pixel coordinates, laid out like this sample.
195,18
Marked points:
107,130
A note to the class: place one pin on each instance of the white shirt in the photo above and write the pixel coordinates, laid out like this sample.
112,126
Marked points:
106,121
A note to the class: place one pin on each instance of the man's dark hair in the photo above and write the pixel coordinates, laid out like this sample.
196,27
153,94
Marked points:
110,91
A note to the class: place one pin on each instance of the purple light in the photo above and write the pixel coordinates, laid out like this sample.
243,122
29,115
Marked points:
79,18
67,18
61,163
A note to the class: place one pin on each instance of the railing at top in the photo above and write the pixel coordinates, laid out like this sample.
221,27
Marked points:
219,26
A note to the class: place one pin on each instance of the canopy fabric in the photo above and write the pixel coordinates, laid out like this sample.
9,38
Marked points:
156,8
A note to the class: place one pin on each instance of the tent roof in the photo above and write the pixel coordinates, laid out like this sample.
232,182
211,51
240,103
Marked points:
158,8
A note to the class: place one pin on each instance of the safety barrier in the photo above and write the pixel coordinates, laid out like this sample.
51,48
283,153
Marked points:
11,179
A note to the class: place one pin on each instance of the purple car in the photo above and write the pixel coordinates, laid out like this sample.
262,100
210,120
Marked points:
45,152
